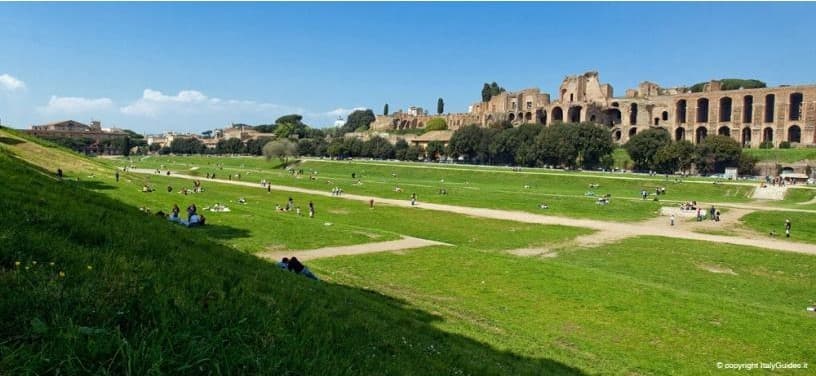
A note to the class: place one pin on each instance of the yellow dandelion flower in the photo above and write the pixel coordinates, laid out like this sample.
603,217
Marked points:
16,263
62,274
90,267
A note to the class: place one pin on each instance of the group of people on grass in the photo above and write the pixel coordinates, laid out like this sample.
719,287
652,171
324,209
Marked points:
295,266
787,229
644,194
193,218
688,205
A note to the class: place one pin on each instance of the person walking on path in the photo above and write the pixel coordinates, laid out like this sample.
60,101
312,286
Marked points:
371,203
787,227
672,220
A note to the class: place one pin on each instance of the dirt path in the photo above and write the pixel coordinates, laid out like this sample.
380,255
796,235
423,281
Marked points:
406,242
528,171
616,230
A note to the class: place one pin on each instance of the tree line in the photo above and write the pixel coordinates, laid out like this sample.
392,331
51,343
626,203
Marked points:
654,150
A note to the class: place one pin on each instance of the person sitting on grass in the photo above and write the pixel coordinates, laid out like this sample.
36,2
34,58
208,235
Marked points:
195,220
543,206
174,214
295,266
283,263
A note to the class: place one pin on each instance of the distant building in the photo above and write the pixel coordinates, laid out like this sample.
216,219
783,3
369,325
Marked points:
89,138
751,116
422,140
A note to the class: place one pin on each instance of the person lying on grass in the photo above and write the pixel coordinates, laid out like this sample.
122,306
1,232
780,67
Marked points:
295,266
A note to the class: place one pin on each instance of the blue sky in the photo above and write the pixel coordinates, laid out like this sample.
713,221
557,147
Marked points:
153,67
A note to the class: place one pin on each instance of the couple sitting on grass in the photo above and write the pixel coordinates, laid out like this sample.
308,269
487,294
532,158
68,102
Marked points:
193,218
294,265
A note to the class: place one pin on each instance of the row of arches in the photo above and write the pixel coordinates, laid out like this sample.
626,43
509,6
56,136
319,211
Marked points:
795,103
408,124
700,134
794,134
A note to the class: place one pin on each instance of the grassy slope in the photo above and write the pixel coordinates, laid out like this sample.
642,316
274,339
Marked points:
643,306
803,225
141,297
783,155
257,226
475,187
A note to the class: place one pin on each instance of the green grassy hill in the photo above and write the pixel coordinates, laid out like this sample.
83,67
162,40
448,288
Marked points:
90,285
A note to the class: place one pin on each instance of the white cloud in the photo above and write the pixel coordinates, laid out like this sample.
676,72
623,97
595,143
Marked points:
154,103
10,83
343,111
75,105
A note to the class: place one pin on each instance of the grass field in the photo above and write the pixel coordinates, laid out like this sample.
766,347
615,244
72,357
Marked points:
140,295
803,225
783,155
643,306
564,193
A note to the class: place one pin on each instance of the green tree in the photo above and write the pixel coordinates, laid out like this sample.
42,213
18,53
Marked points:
412,153
385,110
731,84
436,124
673,157
229,146
282,149
746,163
400,147
378,147
643,146
501,124
255,146
435,150
440,106
716,153
491,90
336,148
358,120
187,146
572,145
466,142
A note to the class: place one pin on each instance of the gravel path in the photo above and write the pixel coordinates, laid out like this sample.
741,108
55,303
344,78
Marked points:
406,242
616,230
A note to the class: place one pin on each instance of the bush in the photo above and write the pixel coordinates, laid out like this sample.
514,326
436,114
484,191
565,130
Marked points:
784,145
766,145
436,124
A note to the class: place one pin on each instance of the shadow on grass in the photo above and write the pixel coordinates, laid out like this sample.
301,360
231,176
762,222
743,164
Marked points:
193,306
10,141
418,329
222,232
94,185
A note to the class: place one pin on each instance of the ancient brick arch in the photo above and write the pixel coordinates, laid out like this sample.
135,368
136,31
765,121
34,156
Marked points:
680,134
746,136
794,134
557,114
767,134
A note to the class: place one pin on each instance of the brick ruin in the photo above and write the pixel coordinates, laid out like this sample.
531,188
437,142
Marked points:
750,116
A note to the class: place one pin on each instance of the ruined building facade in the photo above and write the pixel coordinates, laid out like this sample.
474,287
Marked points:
750,116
